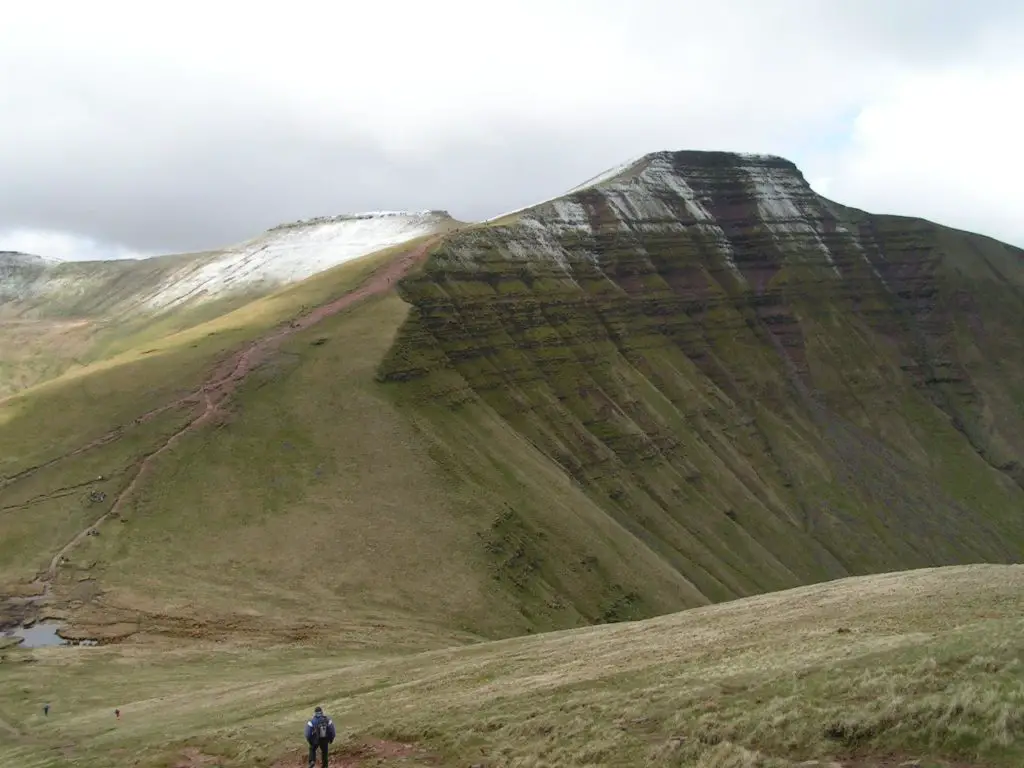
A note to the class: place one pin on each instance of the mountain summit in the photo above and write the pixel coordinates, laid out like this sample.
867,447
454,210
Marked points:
761,385
689,379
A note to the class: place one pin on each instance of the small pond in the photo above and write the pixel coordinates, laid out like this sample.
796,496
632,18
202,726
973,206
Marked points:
42,635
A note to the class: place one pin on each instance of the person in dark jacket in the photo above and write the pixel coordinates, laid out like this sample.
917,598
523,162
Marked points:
319,733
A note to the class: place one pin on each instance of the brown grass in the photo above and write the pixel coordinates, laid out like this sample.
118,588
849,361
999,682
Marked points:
920,665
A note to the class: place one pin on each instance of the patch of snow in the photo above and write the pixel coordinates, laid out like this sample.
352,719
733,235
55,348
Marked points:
827,254
611,173
649,202
661,178
784,203
354,217
292,252
26,259
775,191
864,255
533,241
759,157
607,175
570,214
660,173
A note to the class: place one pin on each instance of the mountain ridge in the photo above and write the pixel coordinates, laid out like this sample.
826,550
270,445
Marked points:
59,315
676,249
691,380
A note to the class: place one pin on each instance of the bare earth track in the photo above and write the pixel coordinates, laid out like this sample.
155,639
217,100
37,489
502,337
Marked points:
219,386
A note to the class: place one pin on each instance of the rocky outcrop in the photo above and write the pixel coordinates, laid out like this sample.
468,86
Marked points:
764,387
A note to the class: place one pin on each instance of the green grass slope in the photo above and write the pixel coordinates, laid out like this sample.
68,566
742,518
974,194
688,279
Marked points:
920,668
573,419
72,446
760,403
314,506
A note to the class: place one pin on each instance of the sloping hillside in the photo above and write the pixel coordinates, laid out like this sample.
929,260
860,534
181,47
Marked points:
760,386
55,315
689,380
918,669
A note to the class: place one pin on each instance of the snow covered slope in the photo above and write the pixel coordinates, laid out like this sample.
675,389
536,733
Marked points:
609,175
280,256
18,271
293,252
675,192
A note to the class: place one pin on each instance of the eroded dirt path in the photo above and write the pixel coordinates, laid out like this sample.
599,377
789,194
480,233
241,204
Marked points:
219,386
375,752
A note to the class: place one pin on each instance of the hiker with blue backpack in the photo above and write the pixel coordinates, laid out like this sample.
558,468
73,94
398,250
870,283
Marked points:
319,733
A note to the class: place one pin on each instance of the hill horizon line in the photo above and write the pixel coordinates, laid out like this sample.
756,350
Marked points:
605,176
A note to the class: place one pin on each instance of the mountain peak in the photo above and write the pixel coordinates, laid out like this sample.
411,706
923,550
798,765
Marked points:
657,168
676,189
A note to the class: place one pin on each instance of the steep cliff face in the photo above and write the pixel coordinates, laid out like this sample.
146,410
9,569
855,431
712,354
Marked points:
761,386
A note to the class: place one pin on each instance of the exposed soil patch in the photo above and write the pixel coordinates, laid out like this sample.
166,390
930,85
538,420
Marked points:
903,761
381,749
194,758
372,752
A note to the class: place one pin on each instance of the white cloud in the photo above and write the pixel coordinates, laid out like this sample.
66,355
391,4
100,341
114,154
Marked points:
942,145
201,123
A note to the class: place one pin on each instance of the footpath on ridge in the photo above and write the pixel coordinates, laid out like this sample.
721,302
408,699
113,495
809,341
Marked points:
213,393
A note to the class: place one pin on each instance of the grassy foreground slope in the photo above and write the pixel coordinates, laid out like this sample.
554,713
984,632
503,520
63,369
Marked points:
867,672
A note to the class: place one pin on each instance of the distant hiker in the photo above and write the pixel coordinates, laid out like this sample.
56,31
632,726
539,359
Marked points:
319,733
117,713
46,710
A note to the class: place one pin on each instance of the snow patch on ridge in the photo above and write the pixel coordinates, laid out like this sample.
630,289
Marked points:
11,258
781,200
355,217
611,173
657,199
774,195
293,252
661,174
601,178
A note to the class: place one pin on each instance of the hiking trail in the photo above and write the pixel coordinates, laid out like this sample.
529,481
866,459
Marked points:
219,386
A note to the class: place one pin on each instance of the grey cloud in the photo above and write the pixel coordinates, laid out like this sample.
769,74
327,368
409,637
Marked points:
164,160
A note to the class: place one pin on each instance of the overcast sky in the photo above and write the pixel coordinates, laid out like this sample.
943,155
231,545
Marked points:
138,127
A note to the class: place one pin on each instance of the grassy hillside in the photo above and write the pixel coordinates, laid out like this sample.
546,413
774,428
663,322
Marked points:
760,403
71,447
920,666
284,519
692,383
568,420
